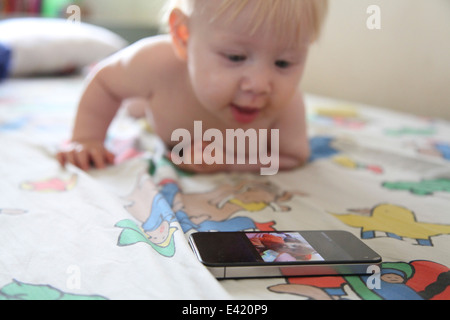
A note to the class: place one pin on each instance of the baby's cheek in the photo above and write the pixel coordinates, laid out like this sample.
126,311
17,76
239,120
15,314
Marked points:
215,92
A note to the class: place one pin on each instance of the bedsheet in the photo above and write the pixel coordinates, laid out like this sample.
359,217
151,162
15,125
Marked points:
121,233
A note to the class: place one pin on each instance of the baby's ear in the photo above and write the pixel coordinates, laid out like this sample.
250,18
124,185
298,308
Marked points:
179,31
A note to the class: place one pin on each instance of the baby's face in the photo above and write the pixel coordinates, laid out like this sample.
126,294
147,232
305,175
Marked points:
239,76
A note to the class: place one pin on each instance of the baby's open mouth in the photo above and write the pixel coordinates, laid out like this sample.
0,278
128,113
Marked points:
244,115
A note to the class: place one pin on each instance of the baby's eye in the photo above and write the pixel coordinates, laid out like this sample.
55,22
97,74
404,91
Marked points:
282,64
236,58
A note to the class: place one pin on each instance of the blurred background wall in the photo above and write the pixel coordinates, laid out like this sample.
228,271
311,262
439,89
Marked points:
404,66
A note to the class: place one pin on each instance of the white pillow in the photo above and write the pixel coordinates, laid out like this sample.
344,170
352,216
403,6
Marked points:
46,46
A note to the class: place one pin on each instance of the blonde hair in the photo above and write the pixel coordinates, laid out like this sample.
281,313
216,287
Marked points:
281,14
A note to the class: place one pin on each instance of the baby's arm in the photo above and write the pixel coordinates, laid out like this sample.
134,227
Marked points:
294,144
96,110
121,76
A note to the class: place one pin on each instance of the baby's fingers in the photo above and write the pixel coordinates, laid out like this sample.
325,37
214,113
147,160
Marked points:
100,158
84,158
81,159
74,158
110,157
66,157
61,158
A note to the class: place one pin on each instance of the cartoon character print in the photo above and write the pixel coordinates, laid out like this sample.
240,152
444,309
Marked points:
348,162
158,222
22,291
439,149
443,149
50,185
420,188
322,147
338,116
160,211
411,131
218,209
416,280
124,149
394,221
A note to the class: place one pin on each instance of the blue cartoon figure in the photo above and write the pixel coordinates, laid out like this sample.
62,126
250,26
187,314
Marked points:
158,221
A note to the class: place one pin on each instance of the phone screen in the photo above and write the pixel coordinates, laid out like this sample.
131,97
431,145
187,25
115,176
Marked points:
283,247
292,247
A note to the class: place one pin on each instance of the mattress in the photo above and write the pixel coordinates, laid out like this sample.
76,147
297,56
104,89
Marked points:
121,232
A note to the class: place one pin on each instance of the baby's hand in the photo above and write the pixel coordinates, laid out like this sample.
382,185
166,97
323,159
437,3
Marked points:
201,168
86,154
190,166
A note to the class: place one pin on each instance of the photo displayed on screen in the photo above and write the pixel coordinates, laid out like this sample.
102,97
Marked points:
283,247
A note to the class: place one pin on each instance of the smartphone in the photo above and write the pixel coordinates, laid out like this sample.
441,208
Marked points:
233,255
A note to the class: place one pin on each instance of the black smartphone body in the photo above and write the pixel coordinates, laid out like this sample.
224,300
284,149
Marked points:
231,255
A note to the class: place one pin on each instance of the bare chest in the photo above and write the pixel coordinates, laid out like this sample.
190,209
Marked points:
176,108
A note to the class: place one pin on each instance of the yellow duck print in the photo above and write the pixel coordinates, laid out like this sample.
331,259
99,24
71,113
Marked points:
397,222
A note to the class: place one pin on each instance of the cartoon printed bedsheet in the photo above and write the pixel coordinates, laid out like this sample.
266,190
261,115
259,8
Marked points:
121,233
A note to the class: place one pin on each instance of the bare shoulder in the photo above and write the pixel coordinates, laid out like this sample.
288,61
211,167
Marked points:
136,69
151,50
149,55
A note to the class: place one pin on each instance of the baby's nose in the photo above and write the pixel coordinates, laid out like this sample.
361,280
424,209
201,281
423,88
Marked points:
257,80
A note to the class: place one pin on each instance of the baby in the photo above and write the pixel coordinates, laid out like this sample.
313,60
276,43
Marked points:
225,65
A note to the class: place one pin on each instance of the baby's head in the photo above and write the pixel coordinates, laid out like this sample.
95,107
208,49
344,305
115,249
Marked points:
284,16
246,56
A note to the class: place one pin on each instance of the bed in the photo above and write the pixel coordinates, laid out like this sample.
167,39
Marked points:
121,233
